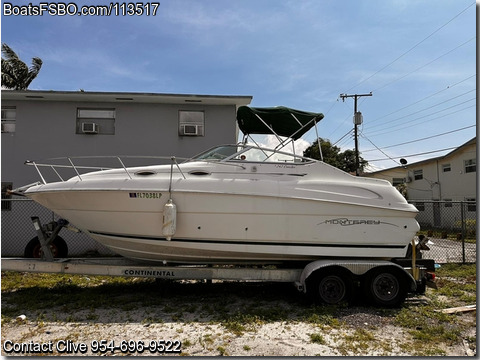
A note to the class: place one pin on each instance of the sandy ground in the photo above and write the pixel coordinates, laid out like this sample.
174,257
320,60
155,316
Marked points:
273,339
364,331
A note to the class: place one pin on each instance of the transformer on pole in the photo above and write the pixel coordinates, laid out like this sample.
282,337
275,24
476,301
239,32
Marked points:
357,120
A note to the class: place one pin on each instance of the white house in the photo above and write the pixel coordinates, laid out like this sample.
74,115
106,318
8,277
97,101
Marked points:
439,182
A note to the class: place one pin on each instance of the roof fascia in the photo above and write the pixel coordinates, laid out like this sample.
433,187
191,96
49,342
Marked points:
125,97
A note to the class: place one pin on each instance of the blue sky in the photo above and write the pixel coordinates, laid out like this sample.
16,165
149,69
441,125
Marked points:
417,57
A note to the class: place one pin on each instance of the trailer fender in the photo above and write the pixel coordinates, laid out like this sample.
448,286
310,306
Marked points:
356,267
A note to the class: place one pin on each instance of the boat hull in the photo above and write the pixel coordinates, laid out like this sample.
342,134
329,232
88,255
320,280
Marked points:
233,228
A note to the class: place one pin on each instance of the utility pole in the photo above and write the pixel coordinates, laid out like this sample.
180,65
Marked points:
357,120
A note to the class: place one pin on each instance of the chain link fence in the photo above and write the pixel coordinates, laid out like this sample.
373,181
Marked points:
18,230
451,227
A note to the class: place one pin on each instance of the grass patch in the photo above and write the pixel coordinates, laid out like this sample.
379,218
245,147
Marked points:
240,323
323,316
426,324
222,350
468,272
317,339
241,308
358,342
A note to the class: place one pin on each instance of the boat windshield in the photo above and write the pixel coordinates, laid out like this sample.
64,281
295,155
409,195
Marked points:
219,153
249,153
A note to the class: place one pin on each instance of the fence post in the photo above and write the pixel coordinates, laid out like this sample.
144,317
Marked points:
462,216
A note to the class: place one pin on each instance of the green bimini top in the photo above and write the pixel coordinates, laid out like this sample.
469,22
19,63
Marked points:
278,120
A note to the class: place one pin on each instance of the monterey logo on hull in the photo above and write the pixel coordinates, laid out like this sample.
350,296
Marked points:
349,222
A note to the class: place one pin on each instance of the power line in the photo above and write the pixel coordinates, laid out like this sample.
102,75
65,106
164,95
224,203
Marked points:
413,47
412,155
425,138
377,133
421,67
342,123
379,149
425,98
419,111
349,132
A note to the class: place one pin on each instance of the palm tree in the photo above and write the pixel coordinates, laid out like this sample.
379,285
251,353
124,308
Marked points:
15,73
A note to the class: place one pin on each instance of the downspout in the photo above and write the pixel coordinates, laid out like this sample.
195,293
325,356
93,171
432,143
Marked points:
438,183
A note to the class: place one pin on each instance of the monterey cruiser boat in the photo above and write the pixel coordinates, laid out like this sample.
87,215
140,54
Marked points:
234,203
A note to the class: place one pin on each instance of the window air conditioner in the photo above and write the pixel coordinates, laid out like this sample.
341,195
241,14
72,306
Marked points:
89,128
189,130
8,128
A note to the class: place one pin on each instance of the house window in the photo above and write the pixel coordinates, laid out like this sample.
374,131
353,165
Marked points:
397,181
191,123
470,166
471,204
6,203
9,115
448,203
95,121
418,174
446,168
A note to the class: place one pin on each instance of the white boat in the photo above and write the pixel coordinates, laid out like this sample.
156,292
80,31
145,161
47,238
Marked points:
236,204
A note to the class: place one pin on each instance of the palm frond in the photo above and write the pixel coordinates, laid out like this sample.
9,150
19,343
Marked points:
9,53
15,73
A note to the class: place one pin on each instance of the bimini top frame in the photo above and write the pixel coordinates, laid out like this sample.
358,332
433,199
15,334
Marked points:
279,121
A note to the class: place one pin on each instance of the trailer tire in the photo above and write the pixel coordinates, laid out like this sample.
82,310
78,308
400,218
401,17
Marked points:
385,286
34,249
330,286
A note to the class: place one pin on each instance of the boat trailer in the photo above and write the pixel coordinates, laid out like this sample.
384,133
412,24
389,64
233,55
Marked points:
384,282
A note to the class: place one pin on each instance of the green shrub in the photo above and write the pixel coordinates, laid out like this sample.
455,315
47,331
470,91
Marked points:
470,227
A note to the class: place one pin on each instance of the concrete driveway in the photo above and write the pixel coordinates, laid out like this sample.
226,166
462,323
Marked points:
449,251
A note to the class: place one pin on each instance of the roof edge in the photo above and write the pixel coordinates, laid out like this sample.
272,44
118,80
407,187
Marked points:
136,97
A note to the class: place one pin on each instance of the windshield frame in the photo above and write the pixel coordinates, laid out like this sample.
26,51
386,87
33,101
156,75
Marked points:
244,148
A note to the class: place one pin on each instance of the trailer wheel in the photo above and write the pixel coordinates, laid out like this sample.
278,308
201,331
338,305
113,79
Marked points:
330,286
385,287
34,249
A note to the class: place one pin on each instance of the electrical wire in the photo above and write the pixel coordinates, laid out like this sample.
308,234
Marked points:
388,156
377,133
344,121
416,140
424,109
347,140
413,155
425,98
413,47
340,125
421,67
349,132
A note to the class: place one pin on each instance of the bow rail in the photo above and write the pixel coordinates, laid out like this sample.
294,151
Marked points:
79,169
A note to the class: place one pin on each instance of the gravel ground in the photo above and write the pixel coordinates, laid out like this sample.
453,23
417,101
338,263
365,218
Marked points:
240,319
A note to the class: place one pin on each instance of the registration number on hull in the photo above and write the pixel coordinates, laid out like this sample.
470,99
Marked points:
145,195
